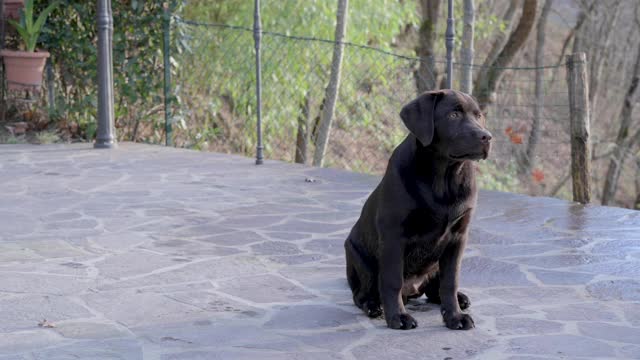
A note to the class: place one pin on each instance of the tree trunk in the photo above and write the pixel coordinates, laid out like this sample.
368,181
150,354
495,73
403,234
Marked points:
572,35
636,204
485,89
331,94
623,142
528,161
578,83
426,76
466,48
302,139
501,37
597,62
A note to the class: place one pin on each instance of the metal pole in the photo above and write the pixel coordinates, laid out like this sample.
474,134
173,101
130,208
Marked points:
2,103
167,75
449,36
105,138
257,36
51,96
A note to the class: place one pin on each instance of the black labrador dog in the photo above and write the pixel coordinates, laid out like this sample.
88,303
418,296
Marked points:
412,231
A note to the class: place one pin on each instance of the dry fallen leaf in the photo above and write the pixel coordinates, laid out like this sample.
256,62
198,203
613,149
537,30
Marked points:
515,138
537,175
46,324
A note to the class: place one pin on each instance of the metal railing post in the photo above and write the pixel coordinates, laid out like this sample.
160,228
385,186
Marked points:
449,37
257,36
51,96
166,53
105,137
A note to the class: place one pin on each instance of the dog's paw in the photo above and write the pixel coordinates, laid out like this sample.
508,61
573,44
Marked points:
457,321
372,309
463,301
402,322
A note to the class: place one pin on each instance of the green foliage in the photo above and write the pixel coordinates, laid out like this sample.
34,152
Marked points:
216,74
47,137
71,38
28,29
492,176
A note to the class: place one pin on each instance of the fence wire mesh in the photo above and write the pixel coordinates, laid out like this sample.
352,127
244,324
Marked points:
214,88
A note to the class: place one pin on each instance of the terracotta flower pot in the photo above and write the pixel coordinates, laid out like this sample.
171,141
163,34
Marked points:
24,69
12,8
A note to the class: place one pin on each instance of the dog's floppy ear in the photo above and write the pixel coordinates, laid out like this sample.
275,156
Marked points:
418,116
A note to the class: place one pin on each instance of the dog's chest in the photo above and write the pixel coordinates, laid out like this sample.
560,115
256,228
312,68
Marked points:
428,233
426,223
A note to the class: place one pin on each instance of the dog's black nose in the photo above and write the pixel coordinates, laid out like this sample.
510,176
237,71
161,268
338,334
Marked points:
484,135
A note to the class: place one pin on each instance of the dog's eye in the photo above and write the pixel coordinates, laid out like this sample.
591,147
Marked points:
455,115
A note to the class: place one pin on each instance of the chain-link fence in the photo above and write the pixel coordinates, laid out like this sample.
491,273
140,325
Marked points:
215,104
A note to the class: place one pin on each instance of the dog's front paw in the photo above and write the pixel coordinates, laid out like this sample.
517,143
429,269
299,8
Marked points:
402,321
457,321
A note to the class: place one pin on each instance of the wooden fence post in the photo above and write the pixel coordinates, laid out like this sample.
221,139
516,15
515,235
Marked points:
578,84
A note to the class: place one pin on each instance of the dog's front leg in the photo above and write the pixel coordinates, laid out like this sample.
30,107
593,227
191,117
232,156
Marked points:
390,284
449,272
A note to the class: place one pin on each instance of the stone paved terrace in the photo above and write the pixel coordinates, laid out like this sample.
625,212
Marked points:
156,253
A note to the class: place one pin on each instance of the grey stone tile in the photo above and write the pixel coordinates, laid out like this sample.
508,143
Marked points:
526,296
114,349
310,317
251,355
330,340
298,259
44,284
132,308
499,310
309,227
24,312
569,346
251,222
192,255
560,261
502,251
275,248
265,289
561,278
327,246
582,312
89,330
604,331
632,313
442,343
226,267
526,326
484,272
291,236
234,239
628,290
215,335
28,340
628,352
133,263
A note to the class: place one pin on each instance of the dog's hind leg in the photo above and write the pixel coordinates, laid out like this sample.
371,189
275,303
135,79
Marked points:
431,289
363,282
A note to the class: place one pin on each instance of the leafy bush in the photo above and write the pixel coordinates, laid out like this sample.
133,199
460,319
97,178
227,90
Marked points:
71,38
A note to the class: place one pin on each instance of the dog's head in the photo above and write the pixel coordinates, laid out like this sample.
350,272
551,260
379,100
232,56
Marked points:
450,122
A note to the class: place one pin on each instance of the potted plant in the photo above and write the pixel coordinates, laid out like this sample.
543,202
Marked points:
12,8
24,67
